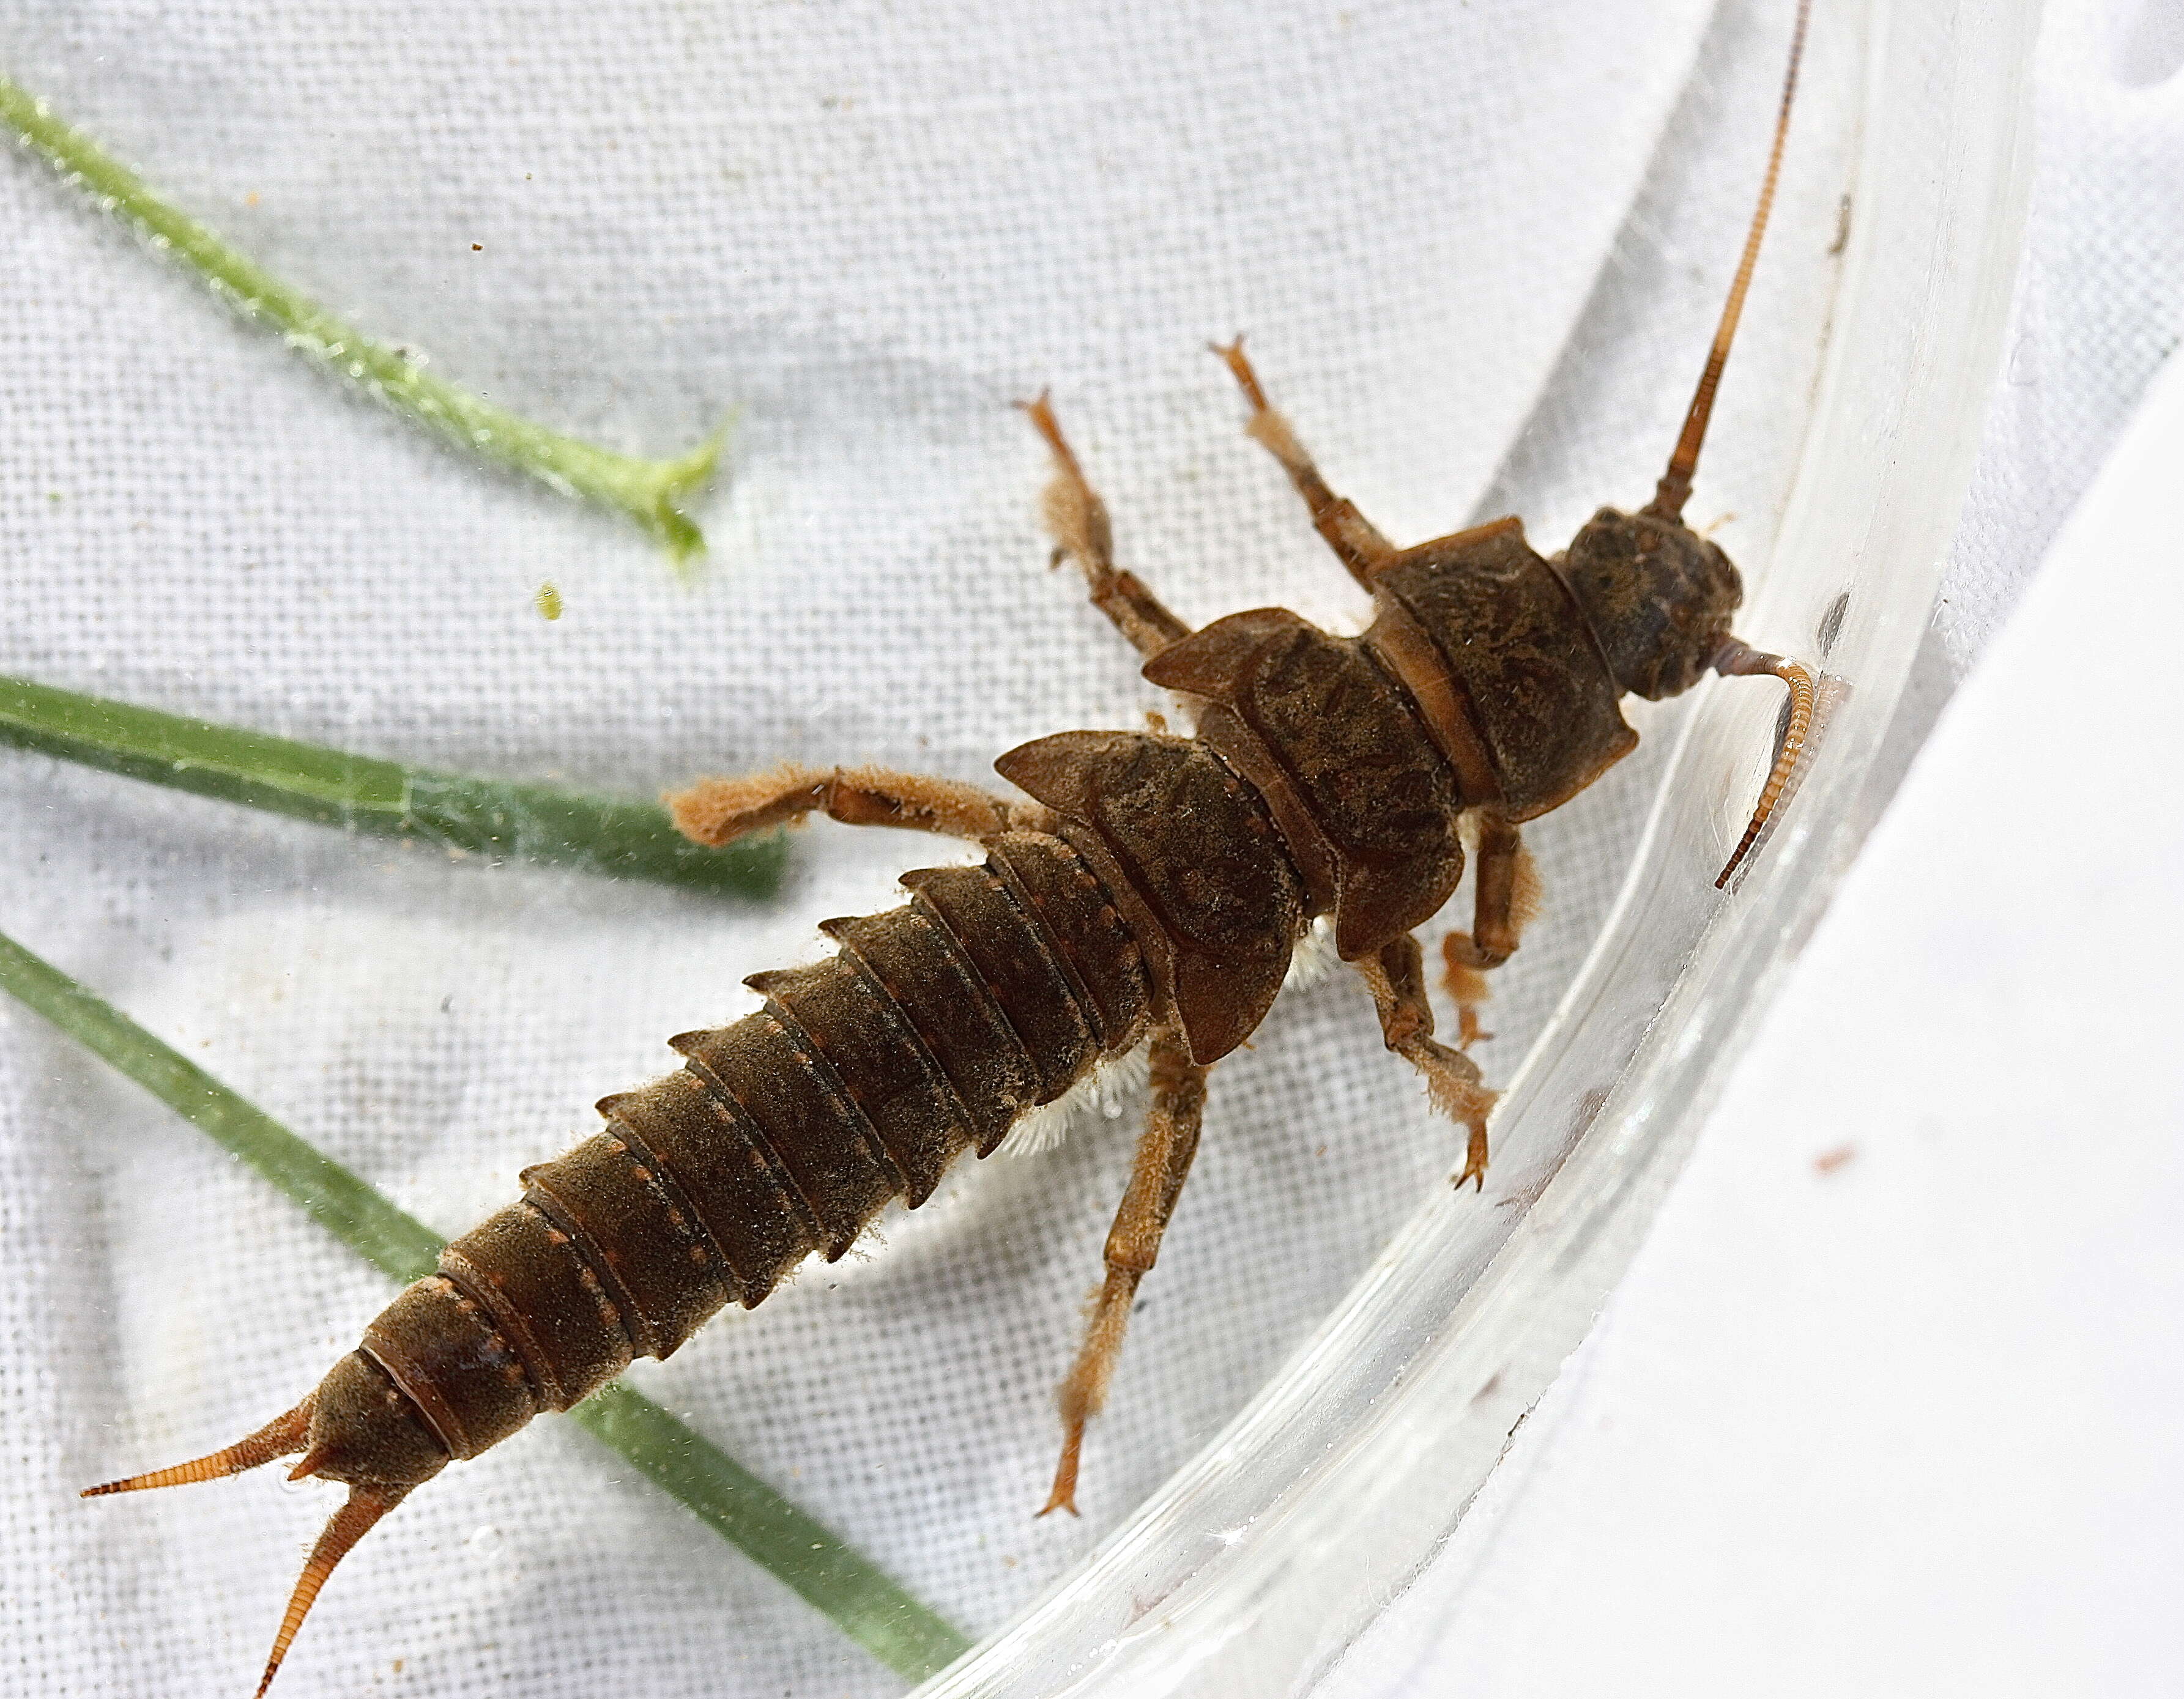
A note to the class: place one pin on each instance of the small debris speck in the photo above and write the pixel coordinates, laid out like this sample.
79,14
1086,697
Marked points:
1827,1162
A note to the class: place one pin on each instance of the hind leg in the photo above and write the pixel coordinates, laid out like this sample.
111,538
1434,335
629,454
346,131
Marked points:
1078,518
1157,1177
1354,540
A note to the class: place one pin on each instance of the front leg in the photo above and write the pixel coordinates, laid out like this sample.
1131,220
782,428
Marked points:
1354,538
1157,1177
1505,896
1078,518
1397,978
719,811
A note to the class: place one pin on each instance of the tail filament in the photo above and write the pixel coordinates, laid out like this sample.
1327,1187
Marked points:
348,1525
283,1436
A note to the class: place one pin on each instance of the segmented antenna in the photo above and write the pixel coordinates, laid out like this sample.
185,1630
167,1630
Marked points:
1735,660
1675,488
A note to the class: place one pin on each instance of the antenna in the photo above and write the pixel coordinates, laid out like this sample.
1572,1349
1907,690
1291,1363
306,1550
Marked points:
1675,488
1736,660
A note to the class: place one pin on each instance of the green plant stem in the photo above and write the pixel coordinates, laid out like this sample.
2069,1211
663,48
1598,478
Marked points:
862,1600
654,493
491,817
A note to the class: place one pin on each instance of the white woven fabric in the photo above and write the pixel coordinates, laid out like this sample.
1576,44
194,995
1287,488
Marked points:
867,228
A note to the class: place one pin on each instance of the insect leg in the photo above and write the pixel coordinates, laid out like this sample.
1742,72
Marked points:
719,811
1164,1162
1079,520
1507,895
1397,978
1353,537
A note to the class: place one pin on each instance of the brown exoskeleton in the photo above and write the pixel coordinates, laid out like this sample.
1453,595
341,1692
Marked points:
1149,893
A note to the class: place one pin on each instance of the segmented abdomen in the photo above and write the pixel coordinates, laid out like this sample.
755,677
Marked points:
930,1032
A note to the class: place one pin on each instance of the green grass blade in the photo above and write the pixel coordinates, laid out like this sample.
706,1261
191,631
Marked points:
391,1241
491,817
654,493
861,1598
871,1609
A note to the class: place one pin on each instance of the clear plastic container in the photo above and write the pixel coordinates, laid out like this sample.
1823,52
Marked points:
1262,1560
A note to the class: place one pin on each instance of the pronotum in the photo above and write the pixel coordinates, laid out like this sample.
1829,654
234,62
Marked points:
1149,894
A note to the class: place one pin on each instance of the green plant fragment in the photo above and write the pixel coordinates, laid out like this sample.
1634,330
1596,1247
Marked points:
460,812
654,493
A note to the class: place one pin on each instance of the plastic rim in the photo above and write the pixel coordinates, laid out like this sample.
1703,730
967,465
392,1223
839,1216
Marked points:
1264,1558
